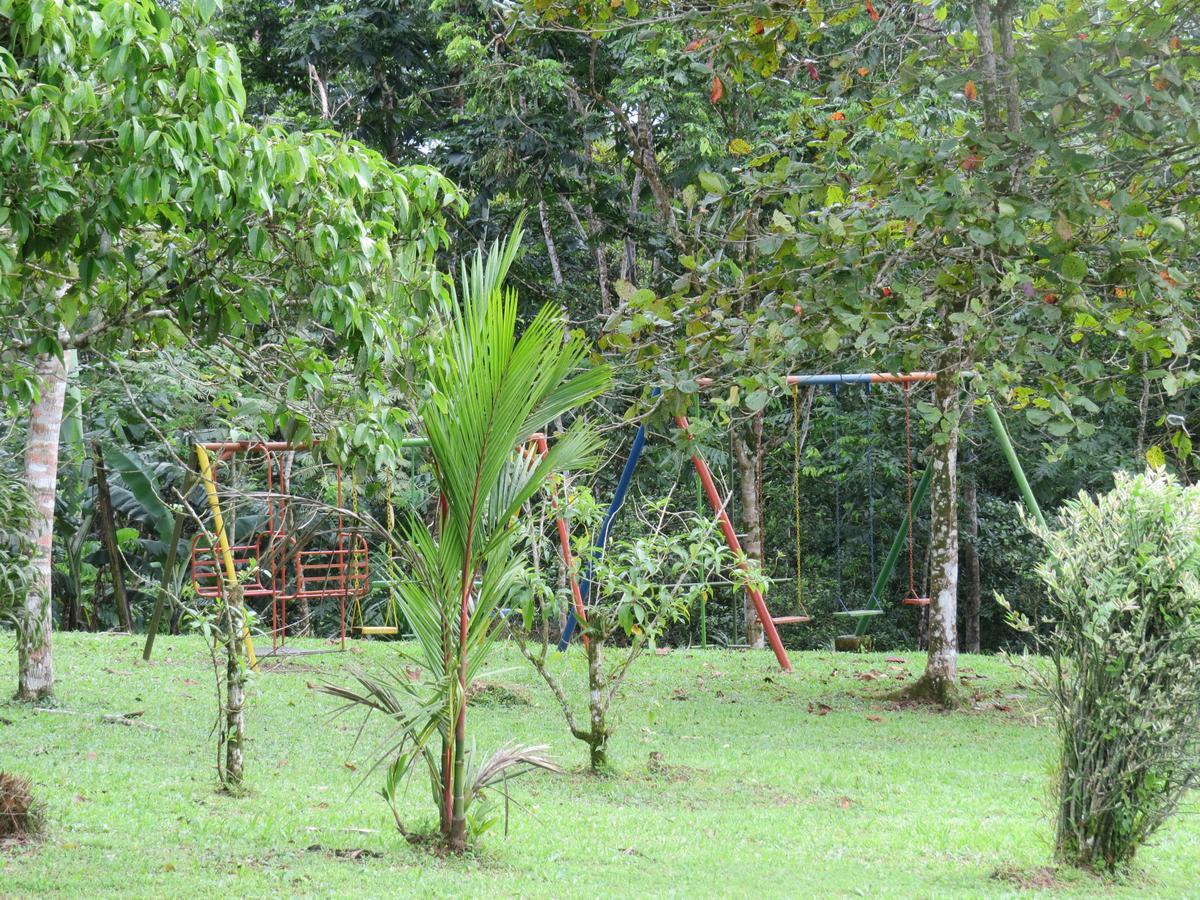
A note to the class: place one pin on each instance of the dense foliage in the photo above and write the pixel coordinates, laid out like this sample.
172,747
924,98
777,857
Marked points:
1122,573
15,550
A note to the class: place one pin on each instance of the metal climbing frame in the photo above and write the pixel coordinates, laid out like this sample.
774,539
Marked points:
276,564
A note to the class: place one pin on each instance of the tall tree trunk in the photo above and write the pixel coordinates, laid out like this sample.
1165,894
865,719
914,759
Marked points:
592,239
35,660
939,683
551,245
629,270
108,535
746,450
321,92
971,559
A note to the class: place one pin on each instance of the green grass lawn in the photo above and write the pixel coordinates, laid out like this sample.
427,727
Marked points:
760,790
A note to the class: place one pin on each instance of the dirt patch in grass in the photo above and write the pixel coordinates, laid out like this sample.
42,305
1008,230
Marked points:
345,852
1036,878
488,693
660,770
284,666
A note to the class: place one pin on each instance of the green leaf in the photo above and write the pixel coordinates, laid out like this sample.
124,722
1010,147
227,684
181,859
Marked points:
1155,458
139,478
756,400
714,183
1073,267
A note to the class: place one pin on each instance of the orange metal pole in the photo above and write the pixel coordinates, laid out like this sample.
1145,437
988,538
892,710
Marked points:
714,500
564,539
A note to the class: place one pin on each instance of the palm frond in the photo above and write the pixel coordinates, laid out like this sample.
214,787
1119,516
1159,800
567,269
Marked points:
510,762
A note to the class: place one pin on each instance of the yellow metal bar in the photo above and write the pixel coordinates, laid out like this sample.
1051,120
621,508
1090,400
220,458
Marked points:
214,504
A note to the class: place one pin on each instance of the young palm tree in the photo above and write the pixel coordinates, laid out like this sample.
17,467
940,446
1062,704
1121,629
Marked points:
491,392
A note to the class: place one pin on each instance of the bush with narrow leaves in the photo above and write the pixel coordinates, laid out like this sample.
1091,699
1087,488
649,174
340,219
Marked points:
20,812
1122,573
16,550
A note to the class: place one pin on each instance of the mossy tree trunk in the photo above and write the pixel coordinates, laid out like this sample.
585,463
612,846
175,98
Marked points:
235,692
747,449
939,683
597,735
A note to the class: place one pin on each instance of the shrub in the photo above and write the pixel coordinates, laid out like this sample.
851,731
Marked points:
16,549
1122,574
20,813
639,587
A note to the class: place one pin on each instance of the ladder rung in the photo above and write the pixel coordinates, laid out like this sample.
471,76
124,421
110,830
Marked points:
789,620
858,613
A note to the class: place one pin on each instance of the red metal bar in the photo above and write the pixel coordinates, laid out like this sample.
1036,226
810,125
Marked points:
714,500
908,378
564,538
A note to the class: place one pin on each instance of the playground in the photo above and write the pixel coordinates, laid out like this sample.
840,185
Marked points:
554,449
734,779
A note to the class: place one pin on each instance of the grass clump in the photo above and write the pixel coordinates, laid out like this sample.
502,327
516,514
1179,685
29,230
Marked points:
21,814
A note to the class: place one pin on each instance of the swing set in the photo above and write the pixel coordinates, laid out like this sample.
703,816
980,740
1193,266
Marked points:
915,497
879,580
916,494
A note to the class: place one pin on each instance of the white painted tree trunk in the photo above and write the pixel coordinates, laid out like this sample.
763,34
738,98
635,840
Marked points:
35,662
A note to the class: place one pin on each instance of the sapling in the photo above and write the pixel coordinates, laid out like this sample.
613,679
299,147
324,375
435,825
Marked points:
639,587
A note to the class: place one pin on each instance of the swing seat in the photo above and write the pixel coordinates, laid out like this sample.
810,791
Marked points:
858,613
915,601
789,620
378,629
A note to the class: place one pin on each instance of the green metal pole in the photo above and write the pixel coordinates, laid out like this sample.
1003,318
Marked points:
893,556
168,573
1010,454
700,512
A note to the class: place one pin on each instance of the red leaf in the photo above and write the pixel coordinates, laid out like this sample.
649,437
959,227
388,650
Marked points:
872,12
717,91
970,91
695,45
